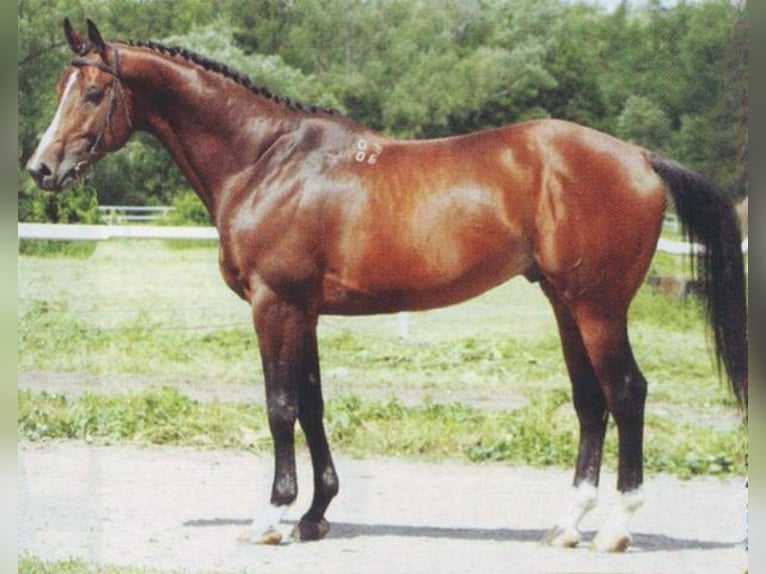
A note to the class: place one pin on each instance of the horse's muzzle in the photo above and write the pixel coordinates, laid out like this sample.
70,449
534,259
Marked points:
42,175
54,179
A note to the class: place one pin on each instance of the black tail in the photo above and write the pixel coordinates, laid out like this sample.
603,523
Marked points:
708,218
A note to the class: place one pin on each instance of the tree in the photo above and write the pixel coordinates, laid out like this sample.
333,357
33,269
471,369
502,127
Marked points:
643,122
673,79
216,41
573,61
713,134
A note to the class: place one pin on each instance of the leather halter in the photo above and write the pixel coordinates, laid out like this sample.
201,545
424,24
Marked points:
114,71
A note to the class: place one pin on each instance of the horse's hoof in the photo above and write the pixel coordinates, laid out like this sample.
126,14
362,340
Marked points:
561,537
307,530
270,537
604,543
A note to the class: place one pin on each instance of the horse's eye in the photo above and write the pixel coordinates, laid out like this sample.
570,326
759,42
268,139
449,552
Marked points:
93,95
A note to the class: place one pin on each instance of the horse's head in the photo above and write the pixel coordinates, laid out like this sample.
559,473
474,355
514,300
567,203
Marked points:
93,115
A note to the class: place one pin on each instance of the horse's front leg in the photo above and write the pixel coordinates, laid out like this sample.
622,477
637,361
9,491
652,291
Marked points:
282,328
313,525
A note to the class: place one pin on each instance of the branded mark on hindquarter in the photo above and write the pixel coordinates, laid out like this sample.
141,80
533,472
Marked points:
366,152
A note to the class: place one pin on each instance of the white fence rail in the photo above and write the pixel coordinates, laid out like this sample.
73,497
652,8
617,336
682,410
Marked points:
71,232
77,232
120,214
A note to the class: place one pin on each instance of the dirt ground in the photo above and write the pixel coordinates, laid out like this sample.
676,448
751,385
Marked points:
182,510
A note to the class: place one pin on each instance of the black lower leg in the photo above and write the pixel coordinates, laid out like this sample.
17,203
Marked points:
282,415
624,388
590,405
590,450
587,395
627,407
313,525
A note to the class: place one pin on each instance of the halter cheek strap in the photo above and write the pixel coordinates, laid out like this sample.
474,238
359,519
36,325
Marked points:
113,70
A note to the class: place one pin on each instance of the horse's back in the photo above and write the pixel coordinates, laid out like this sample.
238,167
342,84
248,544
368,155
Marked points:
385,225
435,222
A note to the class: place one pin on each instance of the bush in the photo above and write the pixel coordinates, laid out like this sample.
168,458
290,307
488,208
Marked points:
643,122
78,205
188,210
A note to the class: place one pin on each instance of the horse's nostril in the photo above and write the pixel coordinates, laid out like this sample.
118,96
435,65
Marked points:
39,171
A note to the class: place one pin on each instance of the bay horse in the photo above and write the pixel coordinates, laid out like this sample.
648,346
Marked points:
318,214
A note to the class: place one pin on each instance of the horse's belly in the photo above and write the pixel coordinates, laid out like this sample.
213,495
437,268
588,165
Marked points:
434,248
345,296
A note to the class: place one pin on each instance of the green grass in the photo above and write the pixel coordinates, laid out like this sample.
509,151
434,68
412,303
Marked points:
56,249
32,565
541,433
50,340
670,265
147,310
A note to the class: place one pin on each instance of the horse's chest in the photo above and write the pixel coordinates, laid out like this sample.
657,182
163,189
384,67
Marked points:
286,264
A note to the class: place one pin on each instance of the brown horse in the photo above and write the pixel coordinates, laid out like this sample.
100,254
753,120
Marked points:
318,214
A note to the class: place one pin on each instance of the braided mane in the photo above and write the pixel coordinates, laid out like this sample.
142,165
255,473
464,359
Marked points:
230,73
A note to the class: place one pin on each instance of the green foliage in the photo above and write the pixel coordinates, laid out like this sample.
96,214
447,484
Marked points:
643,122
188,210
268,71
443,393
143,173
140,347
428,68
537,434
33,565
534,434
54,249
578,93
162,416
78,205
658,309
688,450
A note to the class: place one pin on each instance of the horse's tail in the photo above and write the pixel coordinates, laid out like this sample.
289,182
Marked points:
709,219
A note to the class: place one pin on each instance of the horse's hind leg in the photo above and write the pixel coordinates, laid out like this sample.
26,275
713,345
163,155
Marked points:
605,335
590,406
313,525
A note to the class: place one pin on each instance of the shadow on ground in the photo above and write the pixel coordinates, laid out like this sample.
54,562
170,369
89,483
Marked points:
346,530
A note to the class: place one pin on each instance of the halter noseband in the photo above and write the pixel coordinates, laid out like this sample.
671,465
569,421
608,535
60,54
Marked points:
114,71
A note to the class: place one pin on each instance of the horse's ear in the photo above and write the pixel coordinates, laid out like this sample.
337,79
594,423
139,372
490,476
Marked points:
95,38
74,39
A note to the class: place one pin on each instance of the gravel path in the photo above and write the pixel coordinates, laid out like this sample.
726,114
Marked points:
182,510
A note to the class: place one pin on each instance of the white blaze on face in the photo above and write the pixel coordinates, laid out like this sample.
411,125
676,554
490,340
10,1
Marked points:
50,133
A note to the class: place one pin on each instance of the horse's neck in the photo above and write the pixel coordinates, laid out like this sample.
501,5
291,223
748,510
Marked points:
213,127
